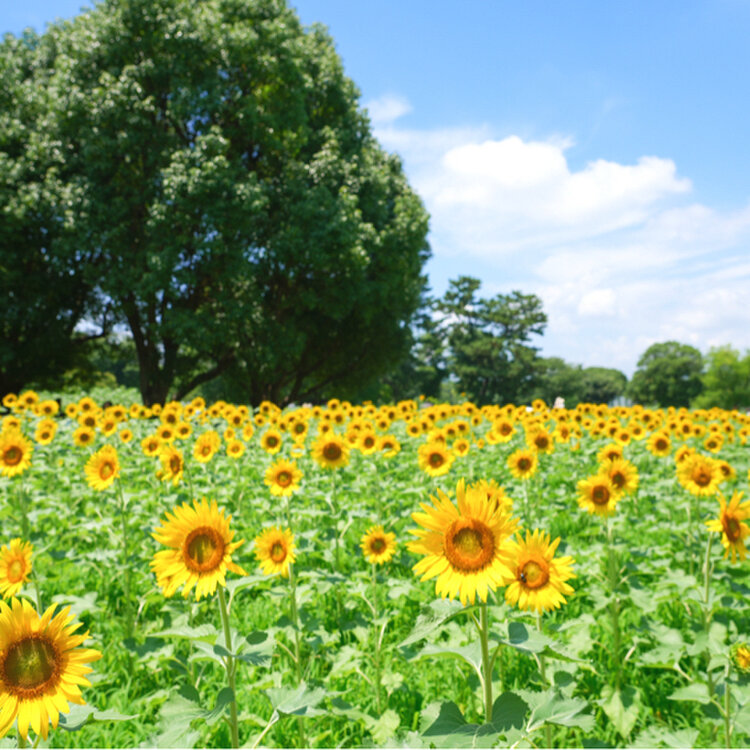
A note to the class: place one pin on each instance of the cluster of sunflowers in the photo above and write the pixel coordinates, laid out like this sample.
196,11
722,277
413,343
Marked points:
471,546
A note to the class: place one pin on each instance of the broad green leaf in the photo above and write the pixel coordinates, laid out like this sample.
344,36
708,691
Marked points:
297,701
80,715
665,737
509,710
383,728
566,712
471,654
518,636
621,707
431,618
451,729
205,633
696,691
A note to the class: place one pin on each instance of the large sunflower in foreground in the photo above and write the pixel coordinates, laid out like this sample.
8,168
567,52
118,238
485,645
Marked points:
274,548
283,477
15,452
378,546
465,546
102,468
331,451
15,566
730,524
200,549
41,666
539,580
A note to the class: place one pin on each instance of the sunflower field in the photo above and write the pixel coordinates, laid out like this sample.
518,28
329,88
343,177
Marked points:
410,575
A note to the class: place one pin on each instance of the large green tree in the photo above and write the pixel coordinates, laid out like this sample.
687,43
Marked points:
601,385
488,341
230,200
668,374
726,381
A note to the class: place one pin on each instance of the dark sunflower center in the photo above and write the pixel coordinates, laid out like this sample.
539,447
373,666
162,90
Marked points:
106,470
299,428
661,445
702,477
332,451
284,478
377,545
524,464
469,545
618,479
12,456
600,495
29,664
534,574
732,528
271,441
368,442
436,460
204,549
541,442
175,465
278,552
505,429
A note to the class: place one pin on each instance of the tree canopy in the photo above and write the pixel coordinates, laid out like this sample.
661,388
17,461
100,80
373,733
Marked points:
726,380
668,374
221,191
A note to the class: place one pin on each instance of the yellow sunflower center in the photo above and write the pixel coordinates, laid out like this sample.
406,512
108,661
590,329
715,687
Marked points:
284,478
332,451
106,470
436,459
278,552
600,495
702,476
29,665
469,544
203,549
16,570
299,428
12,456
534,573
732,528
377,545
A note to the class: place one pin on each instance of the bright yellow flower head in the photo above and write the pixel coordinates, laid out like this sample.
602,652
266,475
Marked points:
15,567
597,494
102,468
283,477
435,458
731,524
330,451
172,464
378,546
522,463
15,453
274,548
699,475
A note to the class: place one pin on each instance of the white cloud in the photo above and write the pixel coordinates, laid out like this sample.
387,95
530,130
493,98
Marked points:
619,253
386,109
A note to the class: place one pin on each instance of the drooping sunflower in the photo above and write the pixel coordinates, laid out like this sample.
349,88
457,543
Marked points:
283,477
465,546
15,453
378,546
435,458
102,468
522,463
731,524
700,475
539,580
597,494
271,441
624,475
331,451
15,567
172,464
41,666
200,549
274,548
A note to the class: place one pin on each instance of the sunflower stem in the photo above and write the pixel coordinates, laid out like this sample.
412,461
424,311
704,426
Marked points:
484,635
297,658
727,708
707,568
543,672
38,595
614,606
229,665
378,701
25,531
124,524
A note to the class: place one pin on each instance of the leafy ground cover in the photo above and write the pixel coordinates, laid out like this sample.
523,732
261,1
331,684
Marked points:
648,649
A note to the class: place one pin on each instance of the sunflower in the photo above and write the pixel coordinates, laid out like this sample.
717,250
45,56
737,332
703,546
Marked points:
172,464
503,430
623,474
683,453
730,524
659,444
597,494
200,549
206,446
331,451
713,443
15,566
435,459
522,463
465,547
15,453
41,666
283,477
274,548
271,441
126,435
235,448
45,431
378,546
389,445
740,653
540,440
83,436
102,468
609,452
699,474
538,580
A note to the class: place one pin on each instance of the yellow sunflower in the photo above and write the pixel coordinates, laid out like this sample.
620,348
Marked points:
200,549
274,548
102,468
730,524
45,431
522,463
235,448
503,430
15,453
465,546
597,494
700,475
494,493
367,443
539,580
206,446
435,459
609,452
378,546
331,451
151,445
741,657
172,464
659,443
461,447
389,445
15,567
271,441
126,435
41,666
283,477
624,475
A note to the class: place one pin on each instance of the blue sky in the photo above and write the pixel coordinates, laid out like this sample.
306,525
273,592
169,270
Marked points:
595,154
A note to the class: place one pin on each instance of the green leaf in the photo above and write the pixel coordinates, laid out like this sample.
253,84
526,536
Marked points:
80,715
665,737
563,711
471,654
384,728
450,729
518,636
297,701
200,633
509,711
431,618
621,707
696,691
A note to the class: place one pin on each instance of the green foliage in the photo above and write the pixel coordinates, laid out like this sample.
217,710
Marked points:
602,385
218,185
726,381
668,374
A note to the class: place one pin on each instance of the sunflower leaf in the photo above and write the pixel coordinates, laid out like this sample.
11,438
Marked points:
565,712
299,701
621,707
431,618
450,729
518,636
